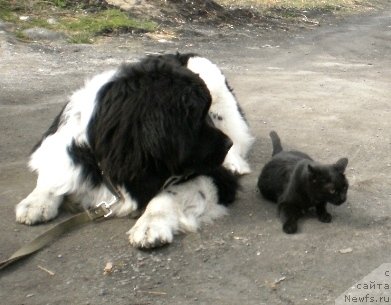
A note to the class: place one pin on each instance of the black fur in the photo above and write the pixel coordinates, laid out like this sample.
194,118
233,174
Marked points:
150,123
51,130
177,58
297,183
227,185
83,156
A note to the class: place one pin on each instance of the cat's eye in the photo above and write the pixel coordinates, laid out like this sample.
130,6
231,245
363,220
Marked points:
332,191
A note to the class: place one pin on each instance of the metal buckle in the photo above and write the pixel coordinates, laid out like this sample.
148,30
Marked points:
107,205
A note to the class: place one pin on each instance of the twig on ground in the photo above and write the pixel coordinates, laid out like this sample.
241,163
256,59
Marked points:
153,292
46,270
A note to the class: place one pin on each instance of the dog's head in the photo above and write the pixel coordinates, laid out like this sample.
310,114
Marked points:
182,136
153,116
207,150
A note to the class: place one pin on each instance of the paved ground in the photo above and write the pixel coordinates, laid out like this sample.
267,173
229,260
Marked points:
326,91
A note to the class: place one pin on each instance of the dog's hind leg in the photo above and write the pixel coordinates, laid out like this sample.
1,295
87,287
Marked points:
226,114
179,208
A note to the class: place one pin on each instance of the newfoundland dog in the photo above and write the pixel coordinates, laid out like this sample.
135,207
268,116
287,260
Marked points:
164,134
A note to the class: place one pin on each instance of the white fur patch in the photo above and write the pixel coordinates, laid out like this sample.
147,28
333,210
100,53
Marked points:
57,174
89,198
55,169
39,206
180,208
226,115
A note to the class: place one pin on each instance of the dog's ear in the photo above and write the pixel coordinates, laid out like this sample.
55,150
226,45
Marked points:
192,110
149,116
197,101
171,129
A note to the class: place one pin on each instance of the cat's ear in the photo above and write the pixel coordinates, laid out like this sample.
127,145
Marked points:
313,173
312,170
341,164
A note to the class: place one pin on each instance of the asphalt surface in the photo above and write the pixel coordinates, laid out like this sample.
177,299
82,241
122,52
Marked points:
326,91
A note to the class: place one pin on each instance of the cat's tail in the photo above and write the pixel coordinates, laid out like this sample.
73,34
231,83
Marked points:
277,147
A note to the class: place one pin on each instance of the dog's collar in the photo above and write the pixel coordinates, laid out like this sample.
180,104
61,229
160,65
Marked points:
117,195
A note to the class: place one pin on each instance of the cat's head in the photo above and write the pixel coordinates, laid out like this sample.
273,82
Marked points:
328,182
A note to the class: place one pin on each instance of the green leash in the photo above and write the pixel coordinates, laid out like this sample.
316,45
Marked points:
50,235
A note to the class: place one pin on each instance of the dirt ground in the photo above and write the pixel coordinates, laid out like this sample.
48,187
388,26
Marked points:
326,90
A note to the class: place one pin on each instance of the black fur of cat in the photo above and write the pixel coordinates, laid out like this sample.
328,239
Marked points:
297,183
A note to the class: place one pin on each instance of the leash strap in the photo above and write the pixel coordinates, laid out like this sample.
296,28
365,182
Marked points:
42,240
101,211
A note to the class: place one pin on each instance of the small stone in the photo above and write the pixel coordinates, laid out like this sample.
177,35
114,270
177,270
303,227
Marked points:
52,21
5,26
344,251
102,292
42,34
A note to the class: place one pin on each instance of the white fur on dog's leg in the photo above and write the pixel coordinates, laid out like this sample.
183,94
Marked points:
150,232
236,164
157,225
225,108
39,206
179,208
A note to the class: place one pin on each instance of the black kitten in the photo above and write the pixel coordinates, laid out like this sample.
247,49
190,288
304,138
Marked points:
297,183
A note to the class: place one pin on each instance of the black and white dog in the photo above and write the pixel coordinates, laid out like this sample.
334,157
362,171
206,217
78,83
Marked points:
143,124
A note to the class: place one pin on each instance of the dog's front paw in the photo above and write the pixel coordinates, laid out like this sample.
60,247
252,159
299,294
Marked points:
36,209
236,164
150,232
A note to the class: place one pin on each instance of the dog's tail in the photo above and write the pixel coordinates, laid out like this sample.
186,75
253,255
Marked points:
276,143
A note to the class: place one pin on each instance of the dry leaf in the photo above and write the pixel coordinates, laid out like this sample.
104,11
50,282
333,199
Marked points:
108,268
275,284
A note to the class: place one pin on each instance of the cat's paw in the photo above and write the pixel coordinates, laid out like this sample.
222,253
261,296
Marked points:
325,217
290,227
